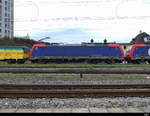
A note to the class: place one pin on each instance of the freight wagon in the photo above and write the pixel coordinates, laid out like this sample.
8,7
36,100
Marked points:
14,54
76,53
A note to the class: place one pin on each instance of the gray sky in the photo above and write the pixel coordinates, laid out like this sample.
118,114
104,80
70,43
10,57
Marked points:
75,21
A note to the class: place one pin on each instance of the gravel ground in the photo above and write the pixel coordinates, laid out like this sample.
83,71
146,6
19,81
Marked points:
77,80
119,102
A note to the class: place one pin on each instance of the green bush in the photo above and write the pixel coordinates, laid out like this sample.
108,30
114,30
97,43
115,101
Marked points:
18,42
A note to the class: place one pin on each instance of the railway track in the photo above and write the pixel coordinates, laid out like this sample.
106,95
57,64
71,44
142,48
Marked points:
73,71
70,91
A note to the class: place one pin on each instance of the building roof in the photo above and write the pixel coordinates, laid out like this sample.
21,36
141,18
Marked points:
140,38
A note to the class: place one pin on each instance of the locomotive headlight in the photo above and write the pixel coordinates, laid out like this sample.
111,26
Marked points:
36,48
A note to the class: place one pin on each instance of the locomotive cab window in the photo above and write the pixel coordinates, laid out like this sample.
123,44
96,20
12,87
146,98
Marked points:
128,48
147,39
36,48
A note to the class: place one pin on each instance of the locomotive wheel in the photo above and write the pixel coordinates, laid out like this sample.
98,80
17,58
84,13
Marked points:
134,62
20,61
33,61
108,61
93,61
138,61
148,61
59,61
43,61
11,61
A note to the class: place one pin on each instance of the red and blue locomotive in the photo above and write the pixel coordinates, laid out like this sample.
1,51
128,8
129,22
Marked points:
138,53
109,53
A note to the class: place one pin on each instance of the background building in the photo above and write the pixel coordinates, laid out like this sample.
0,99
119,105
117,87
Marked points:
141,38
6,18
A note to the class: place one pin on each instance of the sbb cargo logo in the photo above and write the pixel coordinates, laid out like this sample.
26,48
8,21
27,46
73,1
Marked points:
149,52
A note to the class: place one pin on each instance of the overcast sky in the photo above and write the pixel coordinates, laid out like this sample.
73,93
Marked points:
75,21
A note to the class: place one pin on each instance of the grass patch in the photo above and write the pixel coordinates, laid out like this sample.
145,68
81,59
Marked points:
90,66
115,76
11,75
79,66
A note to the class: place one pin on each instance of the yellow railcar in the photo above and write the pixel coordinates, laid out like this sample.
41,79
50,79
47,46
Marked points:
14,54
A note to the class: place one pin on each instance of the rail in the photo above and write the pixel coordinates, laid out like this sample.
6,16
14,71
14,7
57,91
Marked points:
78,86
71,91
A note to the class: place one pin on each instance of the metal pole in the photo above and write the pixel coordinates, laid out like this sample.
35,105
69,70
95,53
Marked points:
81,75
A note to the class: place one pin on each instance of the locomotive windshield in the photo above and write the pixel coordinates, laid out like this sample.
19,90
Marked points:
128,50
147,39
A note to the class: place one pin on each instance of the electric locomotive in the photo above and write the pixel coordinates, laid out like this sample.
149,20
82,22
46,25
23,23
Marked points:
138,53
108,53
14,54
